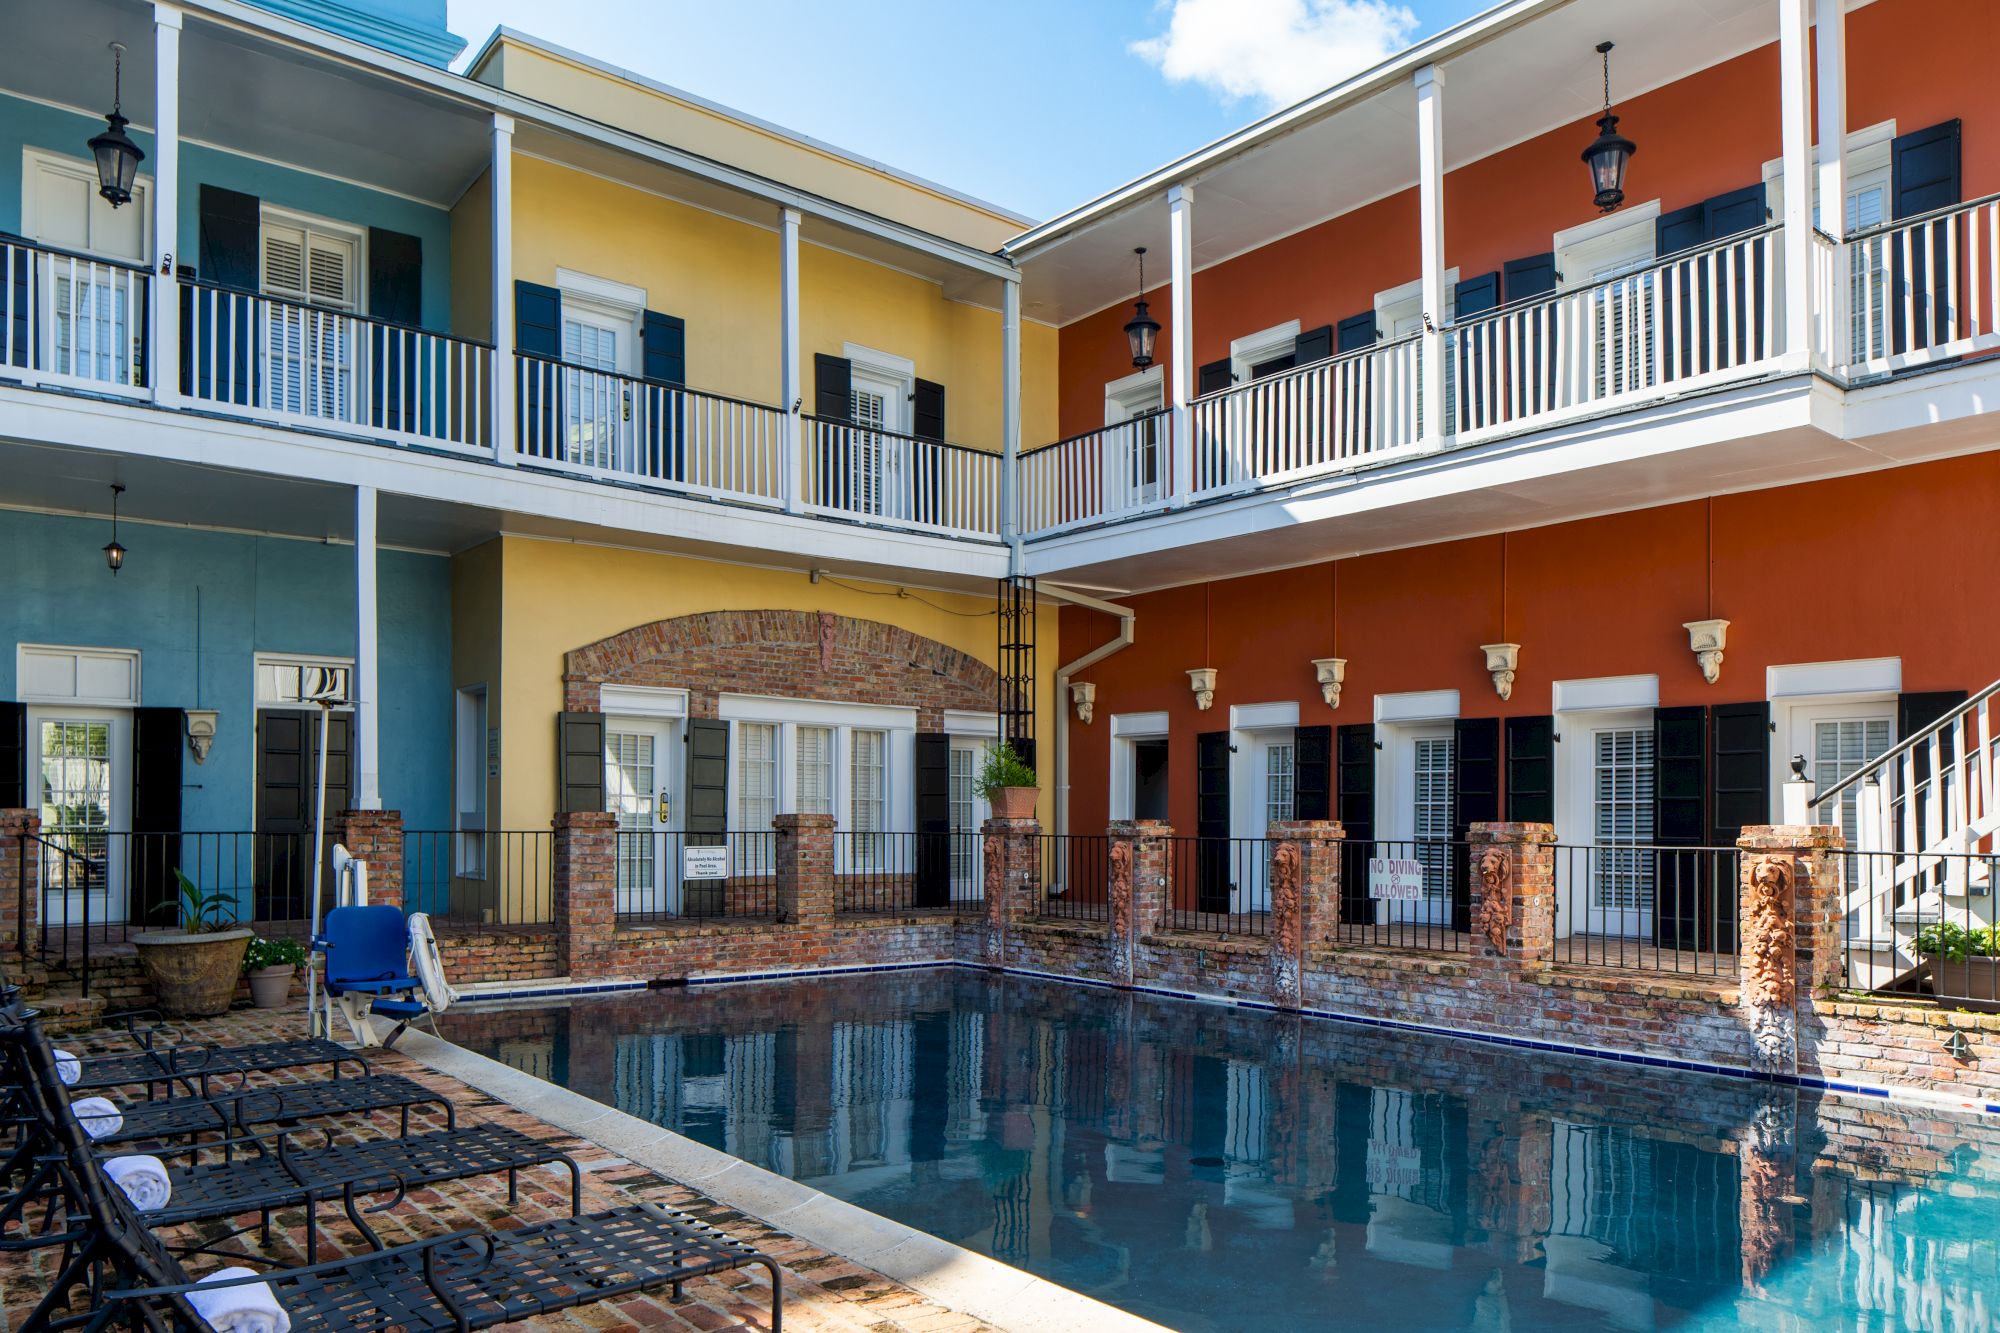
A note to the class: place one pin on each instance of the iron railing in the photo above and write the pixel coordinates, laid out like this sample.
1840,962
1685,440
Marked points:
905,872
480,879
1648,908
1073,876
1403,893
1922,924
72,320
659,882
1219,886
78,879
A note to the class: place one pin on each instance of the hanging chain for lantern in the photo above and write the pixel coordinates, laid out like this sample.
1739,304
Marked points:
1611,151
117,156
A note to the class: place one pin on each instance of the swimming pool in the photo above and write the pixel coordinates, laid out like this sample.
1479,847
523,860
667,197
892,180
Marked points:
1212,1168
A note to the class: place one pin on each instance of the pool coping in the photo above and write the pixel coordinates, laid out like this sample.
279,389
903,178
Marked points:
955,1277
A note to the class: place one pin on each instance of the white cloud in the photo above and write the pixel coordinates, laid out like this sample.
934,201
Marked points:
1277,51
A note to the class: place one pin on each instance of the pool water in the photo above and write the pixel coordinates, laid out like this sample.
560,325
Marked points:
1212,1168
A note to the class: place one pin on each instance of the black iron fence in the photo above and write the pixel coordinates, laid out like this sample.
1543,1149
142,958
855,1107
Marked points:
1654,909
1073,875
1220,886
1404,893
903,872
669,875
484,878
1922,924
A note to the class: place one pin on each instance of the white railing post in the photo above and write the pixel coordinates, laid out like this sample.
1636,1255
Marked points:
1010,408
1180,335
1795,118
791,399
501,412
163,359
1430,227
367,714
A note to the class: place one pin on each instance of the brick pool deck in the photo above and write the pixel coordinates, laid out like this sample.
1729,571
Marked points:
824,1292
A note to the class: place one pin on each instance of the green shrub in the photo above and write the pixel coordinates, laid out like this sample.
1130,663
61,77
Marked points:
203,912
1003,769
1954,944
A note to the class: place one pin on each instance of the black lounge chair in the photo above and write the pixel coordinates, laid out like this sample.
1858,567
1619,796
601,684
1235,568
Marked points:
123,1274
195,1063
240,1112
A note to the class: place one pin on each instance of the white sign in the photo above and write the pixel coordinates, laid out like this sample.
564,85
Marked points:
1395,879
1394,1168
704,863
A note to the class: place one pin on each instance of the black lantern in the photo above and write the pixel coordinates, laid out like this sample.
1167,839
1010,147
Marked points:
1610,151
114,554
1142,330
117,156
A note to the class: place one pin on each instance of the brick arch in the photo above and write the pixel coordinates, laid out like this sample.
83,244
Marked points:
792,654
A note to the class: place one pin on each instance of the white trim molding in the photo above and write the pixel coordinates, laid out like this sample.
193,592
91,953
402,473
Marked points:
1865,675
1417,706
1139,726
642,701
47,673
814,712
1245,717
1601,692
608,291
963,722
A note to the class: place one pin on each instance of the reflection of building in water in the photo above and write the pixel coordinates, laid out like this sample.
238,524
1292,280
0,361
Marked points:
1925,1262
874,1080
719,1089
530,1055
1410,1221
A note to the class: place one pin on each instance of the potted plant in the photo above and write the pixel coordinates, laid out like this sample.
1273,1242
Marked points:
270,964
1961,960
1008,784
194,968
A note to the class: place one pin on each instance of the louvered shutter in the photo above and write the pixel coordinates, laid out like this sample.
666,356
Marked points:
833,401
1680,819
1531,763
157,740
1214,377
13,756
1924,174
927,465
1727,215
1313,345
1524,279
1211,766
395,297
1354,798
1915,713
221,364
663,357
1468,367
1355,332
931,774
580,762
1475,799
308,356
538,333
1312,773
17,300
227,246
708,786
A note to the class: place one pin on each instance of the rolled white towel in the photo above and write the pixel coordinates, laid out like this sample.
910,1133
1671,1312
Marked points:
144,1180
68,1068
248,1308
98,1115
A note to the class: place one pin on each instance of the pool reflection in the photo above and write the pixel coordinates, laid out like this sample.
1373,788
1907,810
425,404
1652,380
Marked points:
1196,1164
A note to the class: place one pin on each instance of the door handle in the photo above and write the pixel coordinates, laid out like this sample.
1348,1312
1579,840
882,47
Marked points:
665,808
627,397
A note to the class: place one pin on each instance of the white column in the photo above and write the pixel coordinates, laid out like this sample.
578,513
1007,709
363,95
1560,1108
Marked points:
791,387
1010,410
1831,82
1180,333
367,759
164,361
503,289
1430,230
1795,120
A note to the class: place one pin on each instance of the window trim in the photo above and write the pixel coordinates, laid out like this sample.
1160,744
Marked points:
25,652
269,215
261,660
1390,304
1576,766
1253,349
32,159
1122,396
1868,151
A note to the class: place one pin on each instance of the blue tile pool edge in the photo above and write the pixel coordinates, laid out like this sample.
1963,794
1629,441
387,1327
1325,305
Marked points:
1926,1097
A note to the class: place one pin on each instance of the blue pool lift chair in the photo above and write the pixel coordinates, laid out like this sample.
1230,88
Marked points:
367,951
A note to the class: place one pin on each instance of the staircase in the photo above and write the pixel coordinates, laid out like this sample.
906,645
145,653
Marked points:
1919,873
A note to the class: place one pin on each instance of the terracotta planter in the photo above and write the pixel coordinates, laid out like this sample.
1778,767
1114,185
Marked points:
1014,802
193,975
270,987
1976,978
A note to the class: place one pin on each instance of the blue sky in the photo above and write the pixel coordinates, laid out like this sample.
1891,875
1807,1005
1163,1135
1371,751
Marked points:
1037,106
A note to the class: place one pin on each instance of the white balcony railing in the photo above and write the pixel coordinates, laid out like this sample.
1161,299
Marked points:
70,320
312,365
864,472
1925,289
1101,474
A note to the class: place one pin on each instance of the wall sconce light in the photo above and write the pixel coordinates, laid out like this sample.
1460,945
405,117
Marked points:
201,732
1202,681
1331,673
114,554
1502,659
1083,694
1706,640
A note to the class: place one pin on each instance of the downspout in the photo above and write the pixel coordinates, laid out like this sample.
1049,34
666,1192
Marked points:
1127,621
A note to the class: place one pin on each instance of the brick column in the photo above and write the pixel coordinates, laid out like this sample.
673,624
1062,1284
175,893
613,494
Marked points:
1305,900
805,869
585,871
20,878
1012,877
376,836
1789,934
1513,873
1141,888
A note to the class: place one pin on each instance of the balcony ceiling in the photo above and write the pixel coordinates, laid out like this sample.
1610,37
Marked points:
249,94
1519,82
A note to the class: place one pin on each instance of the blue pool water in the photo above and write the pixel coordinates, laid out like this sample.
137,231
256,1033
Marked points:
1214,1169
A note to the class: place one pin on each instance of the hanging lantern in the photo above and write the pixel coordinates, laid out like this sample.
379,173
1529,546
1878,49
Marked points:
1609,153
114,554
117,156
1142,330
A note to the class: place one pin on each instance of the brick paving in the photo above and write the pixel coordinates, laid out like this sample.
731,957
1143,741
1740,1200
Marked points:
823,1291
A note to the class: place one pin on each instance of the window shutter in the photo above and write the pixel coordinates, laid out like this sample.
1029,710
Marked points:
663,339
1355,332
1739,790
13,756
1354,761
1214,377
932,779
1313,345
1475,799
1682,229
663,360
1734,211
833,387
16,300
230,223
1531,766
395,276
538,332
927,465
1924,170
1529,276
707,817
156,813
1211,822
1467,365
537,320
1312,773
580,762
1476,296
927,410
1914,714
1680,819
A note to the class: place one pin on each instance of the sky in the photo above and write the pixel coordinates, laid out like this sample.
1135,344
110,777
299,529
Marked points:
1037,106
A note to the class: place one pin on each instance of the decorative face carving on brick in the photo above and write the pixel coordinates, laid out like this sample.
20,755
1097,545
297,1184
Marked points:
1121,869
993,879
1767,933
1286,904
1496,911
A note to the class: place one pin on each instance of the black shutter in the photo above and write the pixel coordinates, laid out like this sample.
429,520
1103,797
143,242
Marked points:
663,353
1475,799
1681,229
17,299
1531,767
13,756
1214,377
1680,819
231,231
1727,215
833,387
395,276
156,814
538,332
1524,279
1313,345
833,400
537,320
287,751
395,296
1476,296
1734,211
1529,276
1739,775
1211,821
1473,296
230,235
664,342
932,774
1924,170
1312,773
579,762
1915,713
707,818
1354,760
927,464
1355,332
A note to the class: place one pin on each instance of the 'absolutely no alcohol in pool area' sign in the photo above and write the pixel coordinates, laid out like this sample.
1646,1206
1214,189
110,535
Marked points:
704,863
1396,879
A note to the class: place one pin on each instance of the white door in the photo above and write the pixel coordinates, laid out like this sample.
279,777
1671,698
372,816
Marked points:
1133,457
877,461
1270,800
1624,313
597,402
1426,782
968,812
85,779
1838,740
639,789
309,341
1622,866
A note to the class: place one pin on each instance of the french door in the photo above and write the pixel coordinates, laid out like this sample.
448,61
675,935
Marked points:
85,778
1624,889
309,338
967,754
638,789
597,403
1429,777
877,462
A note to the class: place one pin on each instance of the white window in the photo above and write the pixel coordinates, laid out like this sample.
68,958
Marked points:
287,682
628,793
1399,313
879,390
815,770
309,353
1842,746
1133,457
1278,783
89,309
963,794
600,344
1270,351
1432,792
60,206
868,803
1613,255
311,261
1622,818
756,778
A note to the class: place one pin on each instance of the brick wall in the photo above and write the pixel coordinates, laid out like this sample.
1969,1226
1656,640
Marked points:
20,875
